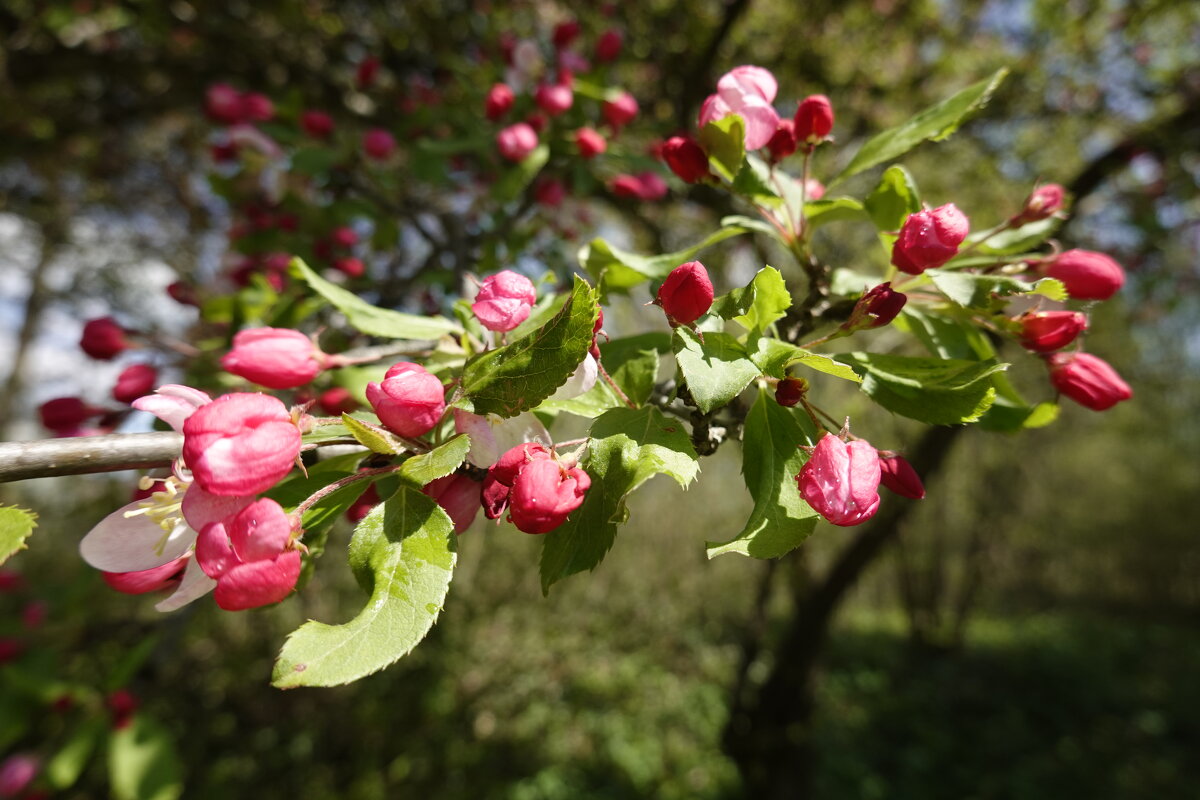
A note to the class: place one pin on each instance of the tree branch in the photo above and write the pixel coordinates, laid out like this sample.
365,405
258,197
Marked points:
43,459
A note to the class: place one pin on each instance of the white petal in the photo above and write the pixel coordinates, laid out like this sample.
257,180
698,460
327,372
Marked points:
127,544
484,451
195,584
581,380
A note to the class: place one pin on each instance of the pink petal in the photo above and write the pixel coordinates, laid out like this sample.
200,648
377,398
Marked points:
127,544
172,403
761,121
258,583
201,508
195,584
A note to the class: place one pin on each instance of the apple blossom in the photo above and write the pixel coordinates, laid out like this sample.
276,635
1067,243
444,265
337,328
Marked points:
278,358
409,400
103,339
504,300
686,159
620,110
240,444
929,239
686,294
589,142
1045,331
1087,380
813,120
899,477
499,100
841,479
544,493
459,495
1086,274
517,141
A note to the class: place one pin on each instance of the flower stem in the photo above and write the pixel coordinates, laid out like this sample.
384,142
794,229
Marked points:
617,389
325,491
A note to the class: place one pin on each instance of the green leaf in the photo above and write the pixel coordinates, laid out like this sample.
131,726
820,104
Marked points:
1019,240
323,513
142,762
751,224
520,375
890,202
931,390
406,547
627,448
933,124
716,370
773,357
725,142
617,270
771,459
976,291
517,177
65,767
437,463
835,209
757,305
945,336
16,524
632,361
314,160
373,437
371,319
753,183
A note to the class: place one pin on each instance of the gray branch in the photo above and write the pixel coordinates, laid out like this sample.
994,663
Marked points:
43,459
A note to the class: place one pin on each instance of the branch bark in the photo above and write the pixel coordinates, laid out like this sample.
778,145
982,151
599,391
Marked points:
43,459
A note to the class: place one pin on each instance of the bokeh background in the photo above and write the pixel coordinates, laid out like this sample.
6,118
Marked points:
1030,631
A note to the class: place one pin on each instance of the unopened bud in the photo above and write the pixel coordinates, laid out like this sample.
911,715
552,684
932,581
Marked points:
1046,331
929,239
590,142
1087,380
499,100
517,141
789,391
783,143
1086,274
686,294
620,110
814,119
1042,203
898,476
686,159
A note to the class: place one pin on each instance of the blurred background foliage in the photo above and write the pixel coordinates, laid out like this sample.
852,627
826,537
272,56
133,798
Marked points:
1030,633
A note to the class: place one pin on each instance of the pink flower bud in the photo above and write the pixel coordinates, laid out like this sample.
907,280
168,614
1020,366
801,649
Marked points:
590,142
626,186
814,189
747,91
1042,203
66,414
1087,380
651,186
11,581
16,773
783,143
517,141
502,474
685,158
343,236
608,46
133,382
183,293
1045,331
337,401
789,391
554,98
748,80
147,580
1086,274
350,267
504,301
620,110
898,476
250,556
929,239
814,119
549,192
499,100
565,33
257,107
841,480
378,144
544,494
409,400
363,505
240,444
459,496
317,124
223,104
367,71
686,294
103,338
883,304
121,705
278,358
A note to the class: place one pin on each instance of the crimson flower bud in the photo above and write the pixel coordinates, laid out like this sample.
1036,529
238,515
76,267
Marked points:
121,705
686,294
544,494
1086,274
147,580
626,186
898,476
686,159
257,107
789,391
350,267
594,350
250,554
368,69
814,119
223,103
278,358
337,401
883,303
1045,331
590,142
459,496
783,143
240,444
223,152
133,382
183,293
1087,380
378,144
1042,203
565,33
504,300
549,192
841,480
554,98
316,124
103,338
499,100
503,473
651,186
409,400
929,239
608,45
363,505
517,141
620,110
344,236
66,414
10,650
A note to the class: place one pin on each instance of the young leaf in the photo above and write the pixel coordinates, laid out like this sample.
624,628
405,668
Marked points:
65,767
371,319
930,390
725,142
945,336
406,547
142,762
617,270
627,448
373,437
757,305
771,459
773,357
16,524
437,463
890,203
835,209
933,124
753,183
976,291
520,375
716,370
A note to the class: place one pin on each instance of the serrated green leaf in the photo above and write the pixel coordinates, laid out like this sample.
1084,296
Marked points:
373,437
520,375
617,270
725,142
64,768
976,291
407,547
773,357
142,762
437,463
933,124
945,336
633,361
716,370
892,200
758,304
627,448
16,524
371,319
931,390
520,175
771,459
